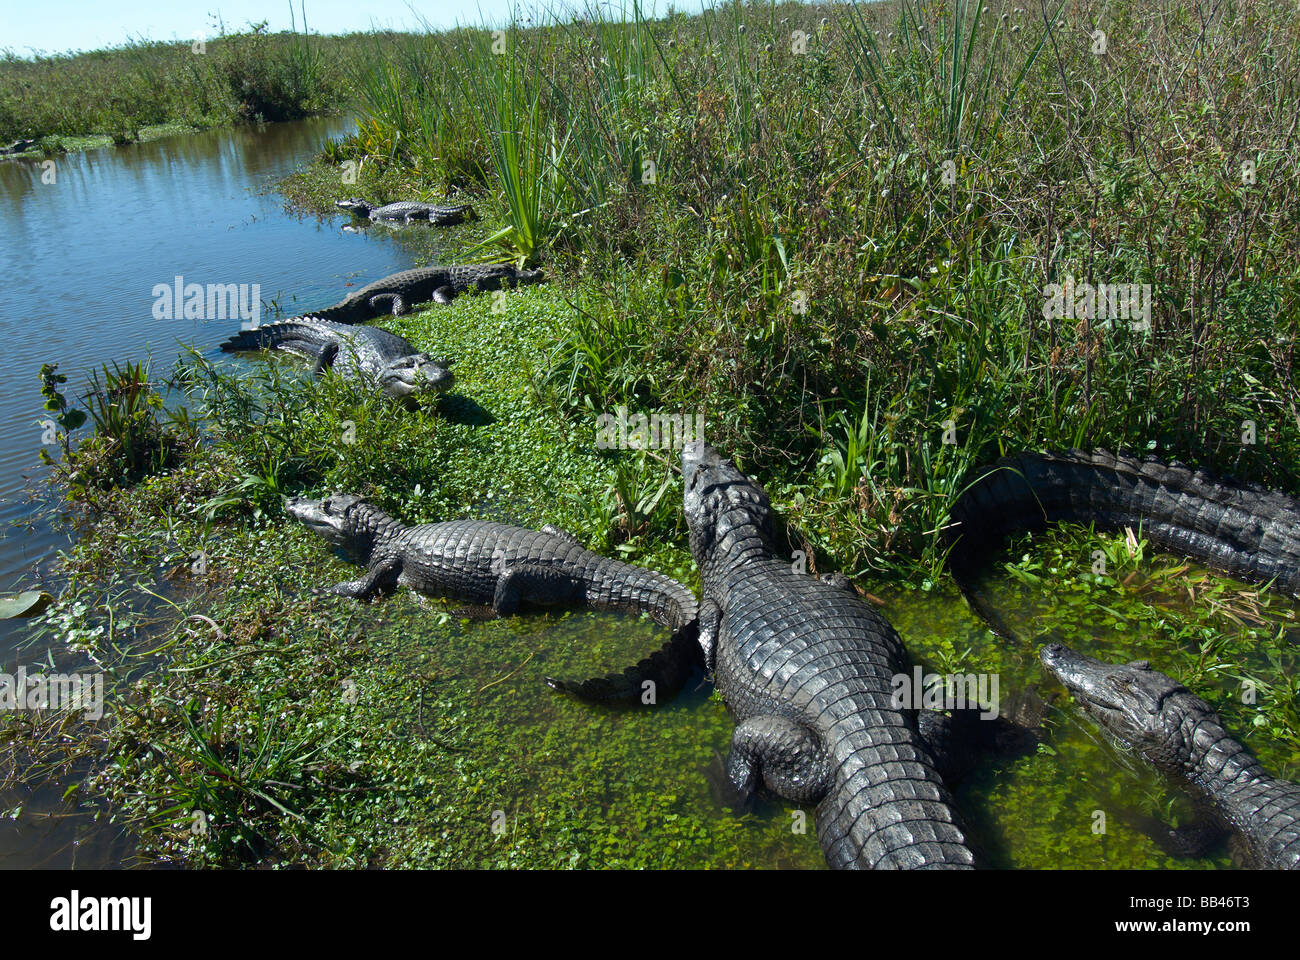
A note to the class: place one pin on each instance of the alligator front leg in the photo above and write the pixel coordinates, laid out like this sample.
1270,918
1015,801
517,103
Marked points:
534,583
444,294
379,579
784,756
1194,839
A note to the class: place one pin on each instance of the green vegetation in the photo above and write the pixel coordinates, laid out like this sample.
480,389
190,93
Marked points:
837,249
255,721
133,92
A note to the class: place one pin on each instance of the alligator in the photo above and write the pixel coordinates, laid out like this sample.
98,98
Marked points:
366,354
18,146
1241,530
1180,733
399,292
409,211
505,567
807,669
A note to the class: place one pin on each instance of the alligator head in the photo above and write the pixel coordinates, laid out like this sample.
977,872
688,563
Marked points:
332,518
415,374
495,276
345,520
722,505
354,205
1137,705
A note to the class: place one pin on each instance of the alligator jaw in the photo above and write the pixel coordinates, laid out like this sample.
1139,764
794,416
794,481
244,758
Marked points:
694,455
417,376
699,460
1073,670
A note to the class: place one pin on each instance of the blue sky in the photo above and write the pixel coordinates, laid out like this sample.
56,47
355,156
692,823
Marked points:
57,26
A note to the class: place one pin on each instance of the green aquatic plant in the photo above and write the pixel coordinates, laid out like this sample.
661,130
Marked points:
66,417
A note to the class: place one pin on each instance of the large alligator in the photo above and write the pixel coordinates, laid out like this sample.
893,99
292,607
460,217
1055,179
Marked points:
506,567
409,211
807,669
1181,734
398,293
1238,529
365,354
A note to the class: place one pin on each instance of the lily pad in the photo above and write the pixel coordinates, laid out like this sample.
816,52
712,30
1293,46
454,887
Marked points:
29,603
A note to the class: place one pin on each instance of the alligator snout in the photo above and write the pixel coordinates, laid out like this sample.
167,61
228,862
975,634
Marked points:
296,507
432,376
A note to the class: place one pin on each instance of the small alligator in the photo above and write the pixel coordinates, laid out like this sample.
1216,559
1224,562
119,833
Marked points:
487,563
366,354
1181,734
409,211
1242,530
400,292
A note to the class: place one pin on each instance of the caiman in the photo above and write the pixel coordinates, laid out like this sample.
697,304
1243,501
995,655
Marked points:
366,355
504,567
400,292
1171,727
410,211
807,669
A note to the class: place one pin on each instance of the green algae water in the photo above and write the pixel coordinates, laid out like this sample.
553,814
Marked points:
1080,801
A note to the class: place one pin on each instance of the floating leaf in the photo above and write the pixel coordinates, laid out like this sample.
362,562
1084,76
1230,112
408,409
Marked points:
29,603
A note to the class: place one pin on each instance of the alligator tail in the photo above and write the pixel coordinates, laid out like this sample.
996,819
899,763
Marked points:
910,822
268,335
1241,530
339,313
